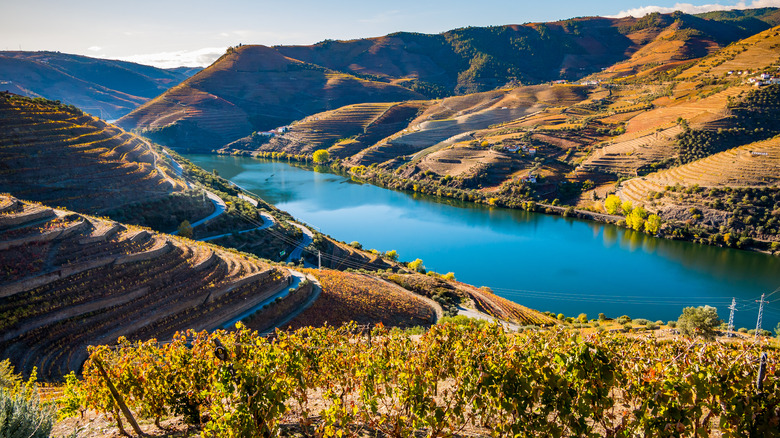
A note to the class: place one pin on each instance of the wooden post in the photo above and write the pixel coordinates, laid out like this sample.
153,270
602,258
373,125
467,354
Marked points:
118,398
761,374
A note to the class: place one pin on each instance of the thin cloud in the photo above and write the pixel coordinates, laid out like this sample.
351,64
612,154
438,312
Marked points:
94,48
695,9
182,58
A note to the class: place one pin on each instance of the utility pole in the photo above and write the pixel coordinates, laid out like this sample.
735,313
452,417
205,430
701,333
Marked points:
319,260
733,308
760,314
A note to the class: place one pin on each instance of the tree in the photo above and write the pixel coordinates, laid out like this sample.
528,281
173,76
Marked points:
653,224
417,265
582,318
449,276
602,317
612,204
321,156
699,321
635,218
392,255
185,229
627,207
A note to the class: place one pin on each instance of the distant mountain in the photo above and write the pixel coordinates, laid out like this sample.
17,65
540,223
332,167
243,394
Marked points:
106,88
251,88
256,88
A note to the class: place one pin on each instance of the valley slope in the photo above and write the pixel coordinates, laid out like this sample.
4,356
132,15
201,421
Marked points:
257,88
106,88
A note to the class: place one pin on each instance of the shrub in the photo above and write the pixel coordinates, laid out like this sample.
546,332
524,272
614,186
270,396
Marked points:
321,156
641,321
623,319
602,317
21,413
671,324
742,330
417,265
699,321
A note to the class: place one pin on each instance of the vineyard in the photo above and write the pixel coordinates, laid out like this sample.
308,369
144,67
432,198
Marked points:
58,155
70,280
451,381
349,297
450,293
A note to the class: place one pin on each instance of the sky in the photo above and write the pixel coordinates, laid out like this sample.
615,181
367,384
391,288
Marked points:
172,33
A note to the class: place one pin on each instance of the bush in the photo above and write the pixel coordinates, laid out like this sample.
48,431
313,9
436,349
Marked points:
602,317
671,324
623,319
21,413
743,330
699,321
641,321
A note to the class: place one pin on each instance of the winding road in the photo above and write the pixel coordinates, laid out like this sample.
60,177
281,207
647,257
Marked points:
268,222
308,237
297,277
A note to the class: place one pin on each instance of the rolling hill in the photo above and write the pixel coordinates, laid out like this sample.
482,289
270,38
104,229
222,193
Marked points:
257,88
250,88
106,88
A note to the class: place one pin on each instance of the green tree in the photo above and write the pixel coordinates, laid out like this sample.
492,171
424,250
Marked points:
612,204
653,224
321,156
185,229
699,321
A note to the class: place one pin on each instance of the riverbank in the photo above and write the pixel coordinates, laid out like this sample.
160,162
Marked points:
518,196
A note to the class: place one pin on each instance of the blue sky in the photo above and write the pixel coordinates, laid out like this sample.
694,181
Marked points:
169,33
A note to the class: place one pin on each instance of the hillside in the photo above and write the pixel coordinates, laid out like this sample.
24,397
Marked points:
257,88
106,88
250,88
69,280
60,156
517,146
477,59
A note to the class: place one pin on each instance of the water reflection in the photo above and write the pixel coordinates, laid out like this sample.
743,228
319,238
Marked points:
515,251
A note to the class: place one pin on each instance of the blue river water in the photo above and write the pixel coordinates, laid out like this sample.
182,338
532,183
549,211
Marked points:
544,262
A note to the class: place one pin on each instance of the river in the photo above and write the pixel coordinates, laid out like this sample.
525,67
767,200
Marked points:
544,262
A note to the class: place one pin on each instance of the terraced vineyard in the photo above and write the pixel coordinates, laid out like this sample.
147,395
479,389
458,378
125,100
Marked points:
628,156
324,129
356,297
70,280
60,156
756,164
